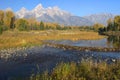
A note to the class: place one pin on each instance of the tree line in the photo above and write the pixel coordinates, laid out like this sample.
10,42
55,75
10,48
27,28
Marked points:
112,25
8,21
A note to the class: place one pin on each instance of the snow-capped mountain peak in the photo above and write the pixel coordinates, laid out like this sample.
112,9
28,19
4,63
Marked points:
39,11
56,15
49,8
38,7
23,9
56,8
22,12
100,18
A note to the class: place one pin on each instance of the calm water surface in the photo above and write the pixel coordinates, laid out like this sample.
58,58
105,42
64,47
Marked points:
46,57
110,42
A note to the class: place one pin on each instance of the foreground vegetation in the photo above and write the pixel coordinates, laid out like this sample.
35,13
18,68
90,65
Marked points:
11,39
86,70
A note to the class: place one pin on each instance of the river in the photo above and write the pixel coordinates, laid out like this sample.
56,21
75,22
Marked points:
23,63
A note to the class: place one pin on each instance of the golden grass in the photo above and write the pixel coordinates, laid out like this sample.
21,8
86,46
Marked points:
10,39
86,70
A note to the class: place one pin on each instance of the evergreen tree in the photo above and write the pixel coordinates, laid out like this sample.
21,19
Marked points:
42,26
12,23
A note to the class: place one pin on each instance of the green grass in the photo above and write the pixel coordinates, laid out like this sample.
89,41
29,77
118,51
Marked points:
83,71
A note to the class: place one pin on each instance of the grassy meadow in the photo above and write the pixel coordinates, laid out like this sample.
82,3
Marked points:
11,39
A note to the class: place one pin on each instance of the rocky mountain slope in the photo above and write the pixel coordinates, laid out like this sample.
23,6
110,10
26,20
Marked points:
56,15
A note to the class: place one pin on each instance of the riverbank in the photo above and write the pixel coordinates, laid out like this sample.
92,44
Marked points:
13,39
111,33
81,48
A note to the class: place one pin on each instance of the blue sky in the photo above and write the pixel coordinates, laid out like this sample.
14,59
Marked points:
77,7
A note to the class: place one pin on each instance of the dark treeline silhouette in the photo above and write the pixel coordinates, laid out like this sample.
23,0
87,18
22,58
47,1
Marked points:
112,25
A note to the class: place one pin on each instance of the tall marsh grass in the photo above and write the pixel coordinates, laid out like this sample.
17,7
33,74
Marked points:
82,71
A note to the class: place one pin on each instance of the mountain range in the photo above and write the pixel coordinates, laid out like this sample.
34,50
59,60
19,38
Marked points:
56,15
